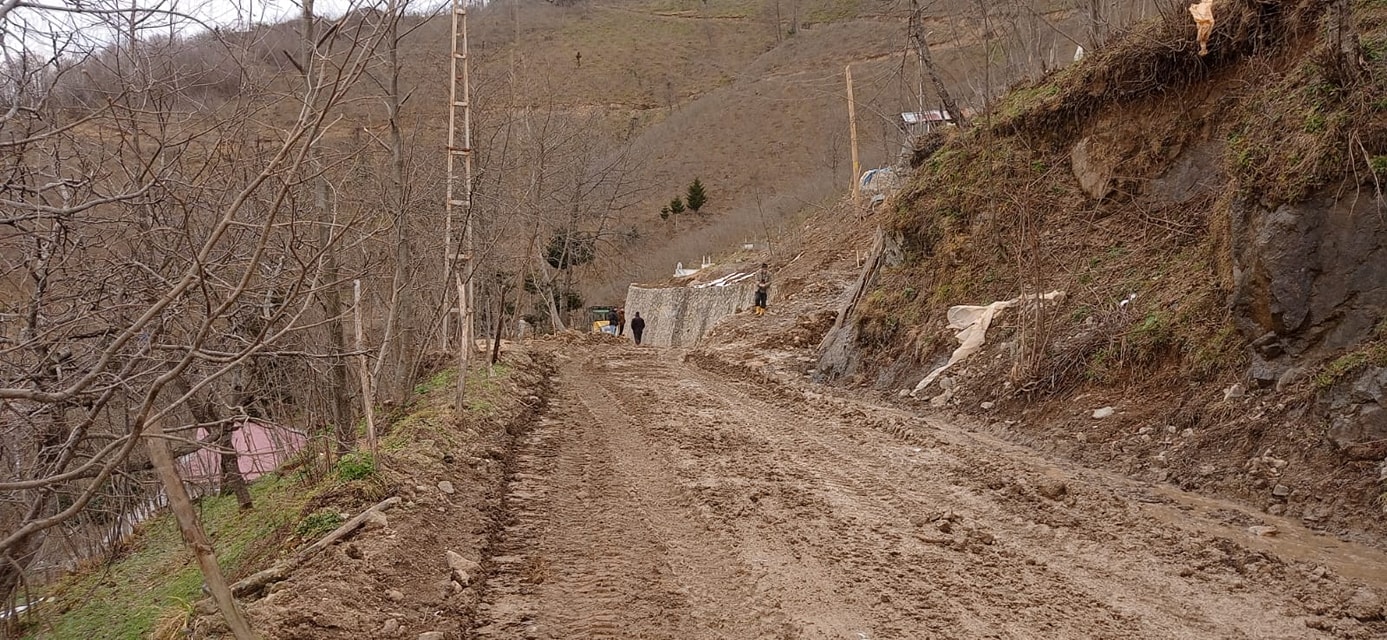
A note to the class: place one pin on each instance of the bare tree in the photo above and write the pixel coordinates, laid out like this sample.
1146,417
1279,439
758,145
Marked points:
143,225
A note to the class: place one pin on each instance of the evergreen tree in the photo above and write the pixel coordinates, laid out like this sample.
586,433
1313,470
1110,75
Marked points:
696,196
664,213
676,206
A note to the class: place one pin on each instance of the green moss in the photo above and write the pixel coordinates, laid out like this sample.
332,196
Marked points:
356,465
1371,354
444,378
319,523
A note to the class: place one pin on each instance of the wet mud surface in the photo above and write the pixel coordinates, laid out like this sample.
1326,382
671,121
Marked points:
660,499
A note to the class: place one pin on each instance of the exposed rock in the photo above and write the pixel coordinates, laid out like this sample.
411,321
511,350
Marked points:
1281,491
463,569
987,406
374,520
446,487
395,595
1265,373
1361,433
1371,386
1263,530
1290,377
1269,345
1310,272
390,628
1052,488
1146,431
1105,412
432,635
1234,391
1094,176
1364,605
1192,174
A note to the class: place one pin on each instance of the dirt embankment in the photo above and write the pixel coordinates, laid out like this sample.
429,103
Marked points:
1218,228
419,569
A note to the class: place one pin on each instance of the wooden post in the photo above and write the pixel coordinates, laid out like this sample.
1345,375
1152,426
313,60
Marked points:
367,397
852,128
500,325
182,506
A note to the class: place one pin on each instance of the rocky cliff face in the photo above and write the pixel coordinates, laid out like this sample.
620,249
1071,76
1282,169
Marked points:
1310,282
1309,277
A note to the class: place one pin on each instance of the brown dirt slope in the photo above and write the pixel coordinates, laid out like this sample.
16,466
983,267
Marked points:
1196,189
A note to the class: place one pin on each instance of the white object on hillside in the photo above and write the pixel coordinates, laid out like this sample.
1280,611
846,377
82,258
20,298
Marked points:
1078,53
972,323
731,278
681,272
21,608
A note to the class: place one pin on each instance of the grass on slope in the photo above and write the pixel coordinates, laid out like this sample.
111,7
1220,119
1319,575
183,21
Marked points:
150,588
127,598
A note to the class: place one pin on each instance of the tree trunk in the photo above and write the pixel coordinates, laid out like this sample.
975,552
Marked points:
183,511
1095,24
399,337
230,480
917,35
1342,36
331,295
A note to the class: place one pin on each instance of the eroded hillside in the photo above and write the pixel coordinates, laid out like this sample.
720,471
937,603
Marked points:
1217,226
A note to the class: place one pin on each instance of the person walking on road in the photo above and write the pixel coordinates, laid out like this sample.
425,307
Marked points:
763,288
637,327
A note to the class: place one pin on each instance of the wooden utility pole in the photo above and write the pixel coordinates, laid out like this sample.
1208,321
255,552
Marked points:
459,265
366,396
852,129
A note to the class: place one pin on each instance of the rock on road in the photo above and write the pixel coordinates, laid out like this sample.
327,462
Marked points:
657,499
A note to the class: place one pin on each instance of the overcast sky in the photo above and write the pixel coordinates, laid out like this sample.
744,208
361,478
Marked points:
34,25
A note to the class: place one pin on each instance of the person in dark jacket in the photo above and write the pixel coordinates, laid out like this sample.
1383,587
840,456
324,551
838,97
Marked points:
621,321
612,320
763,288
637,327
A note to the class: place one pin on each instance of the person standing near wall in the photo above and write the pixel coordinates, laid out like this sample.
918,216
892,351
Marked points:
763,288
637,327
621,321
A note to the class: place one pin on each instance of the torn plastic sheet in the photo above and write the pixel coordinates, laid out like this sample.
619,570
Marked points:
972,322
1203,14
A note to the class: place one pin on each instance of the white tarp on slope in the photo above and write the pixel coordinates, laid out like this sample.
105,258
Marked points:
972,322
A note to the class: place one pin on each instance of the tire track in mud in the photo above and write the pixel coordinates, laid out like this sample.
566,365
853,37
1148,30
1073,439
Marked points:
659,500
601,547
870,541
1182,576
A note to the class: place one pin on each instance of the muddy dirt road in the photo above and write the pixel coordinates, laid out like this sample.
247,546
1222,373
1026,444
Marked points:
659,499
